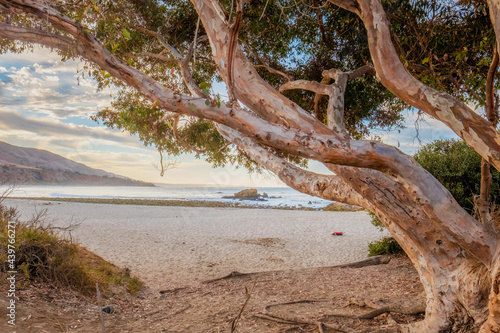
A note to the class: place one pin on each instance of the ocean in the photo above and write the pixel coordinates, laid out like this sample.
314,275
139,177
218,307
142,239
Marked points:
278,196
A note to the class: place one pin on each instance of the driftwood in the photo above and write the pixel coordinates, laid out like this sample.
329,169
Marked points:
372,261
378,260
234,274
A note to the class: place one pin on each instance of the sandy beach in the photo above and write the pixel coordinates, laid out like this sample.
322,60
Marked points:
169,247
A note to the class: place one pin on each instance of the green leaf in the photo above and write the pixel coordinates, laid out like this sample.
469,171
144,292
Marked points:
204,85
218,101
207,102
206,91
126,33
426,60
192,107
117,45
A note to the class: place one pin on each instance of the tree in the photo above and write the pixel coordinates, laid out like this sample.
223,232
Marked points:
458,168
431,55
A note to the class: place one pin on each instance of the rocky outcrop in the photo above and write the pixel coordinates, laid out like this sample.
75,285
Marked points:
248,194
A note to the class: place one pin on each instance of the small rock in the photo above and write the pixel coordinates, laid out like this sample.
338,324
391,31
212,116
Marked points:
108,309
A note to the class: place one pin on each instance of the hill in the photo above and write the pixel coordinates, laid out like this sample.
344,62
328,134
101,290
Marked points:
22,166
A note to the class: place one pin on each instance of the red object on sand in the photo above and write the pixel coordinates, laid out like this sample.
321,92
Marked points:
338,233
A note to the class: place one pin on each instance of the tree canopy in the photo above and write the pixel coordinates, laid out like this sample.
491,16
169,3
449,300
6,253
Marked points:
310,80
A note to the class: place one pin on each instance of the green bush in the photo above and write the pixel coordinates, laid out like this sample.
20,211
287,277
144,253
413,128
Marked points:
45,256
458,167
340,207
386,245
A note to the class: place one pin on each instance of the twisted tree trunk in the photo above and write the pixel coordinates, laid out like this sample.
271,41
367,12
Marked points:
456,256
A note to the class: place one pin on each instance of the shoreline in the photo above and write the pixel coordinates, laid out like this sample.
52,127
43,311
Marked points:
174,246
184,203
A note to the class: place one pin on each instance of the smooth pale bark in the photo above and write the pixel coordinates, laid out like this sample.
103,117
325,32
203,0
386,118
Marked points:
475,130
483,202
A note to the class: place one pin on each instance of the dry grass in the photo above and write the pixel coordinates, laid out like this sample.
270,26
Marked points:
46,254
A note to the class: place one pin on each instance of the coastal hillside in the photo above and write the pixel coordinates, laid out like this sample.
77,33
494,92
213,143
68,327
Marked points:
22,166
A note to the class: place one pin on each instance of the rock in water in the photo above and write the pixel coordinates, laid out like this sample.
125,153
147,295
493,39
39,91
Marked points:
248,194
251,192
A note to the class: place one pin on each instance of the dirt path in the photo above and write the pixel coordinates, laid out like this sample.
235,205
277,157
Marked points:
283,301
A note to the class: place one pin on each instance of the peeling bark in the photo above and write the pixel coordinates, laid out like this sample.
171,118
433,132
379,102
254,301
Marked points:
456,255
471,127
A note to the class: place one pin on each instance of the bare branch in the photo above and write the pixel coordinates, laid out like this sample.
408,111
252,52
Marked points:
350,5
269,68
313,86
248,85
491,112
351,75
153,55
192,48
318,97
172,50
36,36
483,203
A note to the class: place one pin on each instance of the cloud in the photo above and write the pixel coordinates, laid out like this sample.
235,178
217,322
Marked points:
53,88
13,123
419,130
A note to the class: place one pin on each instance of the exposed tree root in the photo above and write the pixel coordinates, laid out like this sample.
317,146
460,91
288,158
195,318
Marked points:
294,302
171,291
229,276
372,261
319,325
378,260
282,320
328,321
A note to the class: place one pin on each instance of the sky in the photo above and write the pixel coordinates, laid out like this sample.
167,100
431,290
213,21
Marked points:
46,104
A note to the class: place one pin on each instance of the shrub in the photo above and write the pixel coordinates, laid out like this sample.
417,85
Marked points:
386,245
45,256
455,165
340,207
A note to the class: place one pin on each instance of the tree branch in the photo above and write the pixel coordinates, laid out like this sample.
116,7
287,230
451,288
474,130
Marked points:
172,50
181,139
153,55
178,59
350,5
307,138
313,86
323,186
248,85
327,148
190,52
483,202
471,127
36,36
351,75
269,68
